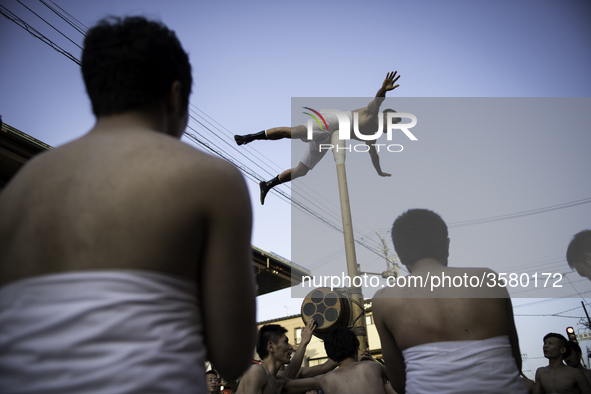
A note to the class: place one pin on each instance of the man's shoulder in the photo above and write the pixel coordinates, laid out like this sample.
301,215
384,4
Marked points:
255,373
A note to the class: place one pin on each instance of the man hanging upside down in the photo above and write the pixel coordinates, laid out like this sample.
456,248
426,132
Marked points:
368,125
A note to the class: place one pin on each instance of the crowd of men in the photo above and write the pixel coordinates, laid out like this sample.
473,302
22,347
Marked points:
113,246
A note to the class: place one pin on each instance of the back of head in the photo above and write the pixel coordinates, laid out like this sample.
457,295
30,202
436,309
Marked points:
562,342
340,343
419,234
579,245
575,348
269,332
130,64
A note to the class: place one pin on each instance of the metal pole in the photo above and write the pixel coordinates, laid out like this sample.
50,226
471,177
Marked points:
585,309
357,306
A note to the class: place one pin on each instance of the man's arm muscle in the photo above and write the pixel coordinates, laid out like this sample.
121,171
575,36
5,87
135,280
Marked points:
393,357
228,310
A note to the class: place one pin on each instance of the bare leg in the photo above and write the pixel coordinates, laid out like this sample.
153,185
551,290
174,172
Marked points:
286,176
275,133
278,133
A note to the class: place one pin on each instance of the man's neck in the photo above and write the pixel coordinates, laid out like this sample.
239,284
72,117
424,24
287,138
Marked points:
555,362
131,120
271,365
346,362
427,264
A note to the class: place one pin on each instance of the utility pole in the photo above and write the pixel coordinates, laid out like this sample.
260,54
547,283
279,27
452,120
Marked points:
357,306
391,262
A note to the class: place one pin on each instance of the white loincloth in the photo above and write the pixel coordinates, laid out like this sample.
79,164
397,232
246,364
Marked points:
106,332
485,366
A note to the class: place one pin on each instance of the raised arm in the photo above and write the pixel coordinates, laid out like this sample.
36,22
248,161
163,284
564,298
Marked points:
374,106
226,280
375,158
291,371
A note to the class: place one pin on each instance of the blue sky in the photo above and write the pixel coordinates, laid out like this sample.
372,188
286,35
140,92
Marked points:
250,58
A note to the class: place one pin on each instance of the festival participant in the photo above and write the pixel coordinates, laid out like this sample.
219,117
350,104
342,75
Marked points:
447,339
274,349
352,377
558,377
113,246
368,125
212,382
578,254
574,359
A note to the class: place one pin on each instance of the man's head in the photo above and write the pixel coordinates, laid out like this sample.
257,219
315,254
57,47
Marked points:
574,358
394,120
556,345
578,254
273,341
212,381
419,234
340,343
131,64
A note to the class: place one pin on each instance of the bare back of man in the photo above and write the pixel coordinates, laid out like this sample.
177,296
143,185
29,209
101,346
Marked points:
130,198
84,207
561,379
439,316
359,377
259,380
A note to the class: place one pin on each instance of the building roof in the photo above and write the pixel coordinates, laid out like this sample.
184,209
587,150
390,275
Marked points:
16,148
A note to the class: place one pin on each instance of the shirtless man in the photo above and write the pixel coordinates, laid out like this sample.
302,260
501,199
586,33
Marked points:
558,378
368,125
445,340
274,349
574,359
578,254
113,246
351,377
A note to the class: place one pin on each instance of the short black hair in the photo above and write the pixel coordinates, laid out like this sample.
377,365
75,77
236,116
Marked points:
268,332
419,234
578,246
212,372
563,342
130,64
340,343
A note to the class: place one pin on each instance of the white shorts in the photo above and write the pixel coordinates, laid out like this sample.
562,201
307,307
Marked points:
313,154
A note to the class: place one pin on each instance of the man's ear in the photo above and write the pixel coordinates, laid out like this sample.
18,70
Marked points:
271,347
588,258
174,101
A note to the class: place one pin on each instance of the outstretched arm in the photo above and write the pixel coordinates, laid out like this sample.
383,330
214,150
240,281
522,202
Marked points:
375,158
309,372
387,85
291,371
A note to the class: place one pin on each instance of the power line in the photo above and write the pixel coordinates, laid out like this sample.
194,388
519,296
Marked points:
519,214
31,30
53,27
